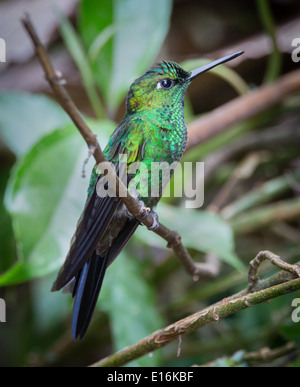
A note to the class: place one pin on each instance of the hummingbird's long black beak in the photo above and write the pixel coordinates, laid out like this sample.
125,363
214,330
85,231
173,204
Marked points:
213,64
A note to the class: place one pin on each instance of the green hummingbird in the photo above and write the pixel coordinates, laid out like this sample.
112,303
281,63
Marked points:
153,130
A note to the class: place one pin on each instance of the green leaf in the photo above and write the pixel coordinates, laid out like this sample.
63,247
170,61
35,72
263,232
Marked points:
200,230
48,308
275,60
7,245
25,118
44,197
140,29
130,302
76,49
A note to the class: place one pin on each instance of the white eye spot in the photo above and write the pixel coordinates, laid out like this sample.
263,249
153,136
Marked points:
165,84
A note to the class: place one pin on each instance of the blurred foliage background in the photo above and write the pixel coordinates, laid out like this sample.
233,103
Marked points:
101,47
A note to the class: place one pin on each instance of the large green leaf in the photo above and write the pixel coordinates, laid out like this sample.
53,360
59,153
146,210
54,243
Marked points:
130,302
76,49
139,28
200,230
7,245
48,308
25,118
45,196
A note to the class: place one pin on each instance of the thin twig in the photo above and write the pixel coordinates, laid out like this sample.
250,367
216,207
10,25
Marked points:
213,313
57,82
278,284
255,219
90,153
267,191
275,260
264,355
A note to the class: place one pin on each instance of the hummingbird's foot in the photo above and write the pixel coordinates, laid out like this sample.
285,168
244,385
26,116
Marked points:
144,211
155,224
129,214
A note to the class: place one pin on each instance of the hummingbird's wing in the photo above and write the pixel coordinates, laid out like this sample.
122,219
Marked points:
127,139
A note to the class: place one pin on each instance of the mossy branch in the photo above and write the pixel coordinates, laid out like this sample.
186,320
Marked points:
262,291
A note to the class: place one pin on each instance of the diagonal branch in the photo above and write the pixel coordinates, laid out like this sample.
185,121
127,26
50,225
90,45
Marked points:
242,108
57,82
277,285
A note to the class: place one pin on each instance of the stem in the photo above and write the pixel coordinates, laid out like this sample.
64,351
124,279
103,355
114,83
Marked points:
254,220
224,308
264,355
262,291
275,260
75,47
275,59
266,192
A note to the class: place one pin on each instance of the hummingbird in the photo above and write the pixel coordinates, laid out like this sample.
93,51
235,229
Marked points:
152,130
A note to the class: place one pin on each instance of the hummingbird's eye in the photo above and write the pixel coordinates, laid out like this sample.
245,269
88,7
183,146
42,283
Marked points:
165,84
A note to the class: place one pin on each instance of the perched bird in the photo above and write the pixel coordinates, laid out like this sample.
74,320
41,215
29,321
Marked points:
153,130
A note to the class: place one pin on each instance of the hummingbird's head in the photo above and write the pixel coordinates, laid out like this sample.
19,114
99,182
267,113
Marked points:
165,85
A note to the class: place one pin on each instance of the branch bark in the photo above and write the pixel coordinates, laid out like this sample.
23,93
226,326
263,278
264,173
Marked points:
266,355
263,356
275,260
278,285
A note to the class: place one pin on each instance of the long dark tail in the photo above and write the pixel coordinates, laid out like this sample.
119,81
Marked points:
89,280
86,291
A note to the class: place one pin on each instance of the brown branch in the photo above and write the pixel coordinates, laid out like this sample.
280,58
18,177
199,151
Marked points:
57,82
249,105
264,355
275,260
275,286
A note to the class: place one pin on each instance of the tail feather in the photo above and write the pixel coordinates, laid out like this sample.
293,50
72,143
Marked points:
86,292
89,280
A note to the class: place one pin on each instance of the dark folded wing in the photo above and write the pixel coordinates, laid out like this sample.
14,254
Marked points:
100,209
95,219
122,238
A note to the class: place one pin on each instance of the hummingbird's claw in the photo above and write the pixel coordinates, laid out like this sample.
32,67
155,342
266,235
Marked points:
129,214
155,224
144,211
